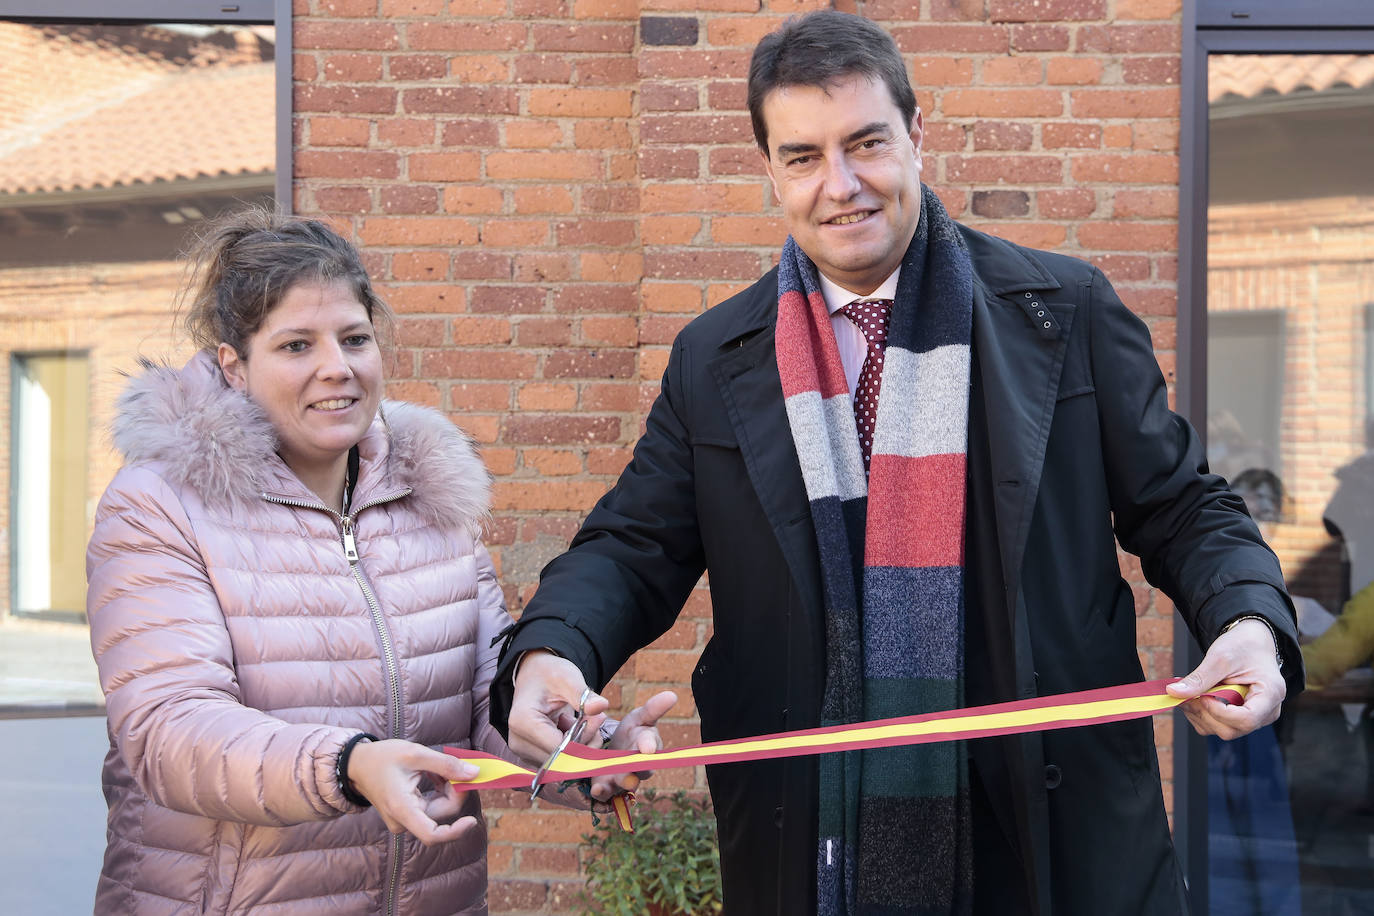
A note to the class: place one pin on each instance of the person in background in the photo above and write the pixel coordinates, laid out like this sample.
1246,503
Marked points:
290,605
902,457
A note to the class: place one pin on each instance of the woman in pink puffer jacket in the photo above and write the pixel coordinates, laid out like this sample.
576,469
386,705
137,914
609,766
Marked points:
289,607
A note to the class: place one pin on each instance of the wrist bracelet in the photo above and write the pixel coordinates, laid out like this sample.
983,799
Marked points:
1278,655
350,793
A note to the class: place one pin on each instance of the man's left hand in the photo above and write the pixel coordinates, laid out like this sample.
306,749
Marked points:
1245,655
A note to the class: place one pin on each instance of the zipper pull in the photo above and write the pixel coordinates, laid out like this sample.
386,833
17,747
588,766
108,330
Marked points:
349,545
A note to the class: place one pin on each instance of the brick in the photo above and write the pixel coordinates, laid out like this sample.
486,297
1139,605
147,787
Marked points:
479,68
668,163
1130,168
1002,135
609,461
419,332
444,166
515,233
1125,103
619,331
423,393
610,70
467,396
668,30
580,103
706,264
954,200
348,8
693,64
1156,70
408,9
539,9
475,200
945,137
542,199
343,200
748,230
617,233
419,265
1039,38
405,131
596,297
481,265
662,329
603,38
508,299
1148,9
740,31
303,68
1155,135
1001,169
543,68
433,230
670,230
1003,103
544,332
1001,204
1064,135
1130,39
1046,10
313,35
511,895
1071,203
430,298
1119,235
1117,136
1151,301
622,397
536,429
714,6
927,39
465,36
543,396
736,160
605,9
611,267
610,199
714,198
460,100
1047,236
542,267
543,165
341,99
1123,267
1141,204
945,10
1012,71
728,95
469,362
417,66
318,164
655,96
353,68
339,131
409,199
940,72
471,132
695,128
1073,71
540,134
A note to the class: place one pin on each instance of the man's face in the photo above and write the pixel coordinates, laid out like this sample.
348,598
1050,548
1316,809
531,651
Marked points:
848,175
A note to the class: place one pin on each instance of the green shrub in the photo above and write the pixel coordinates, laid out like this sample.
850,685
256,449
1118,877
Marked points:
670,864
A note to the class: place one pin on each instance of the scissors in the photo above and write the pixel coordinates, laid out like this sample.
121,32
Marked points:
573,733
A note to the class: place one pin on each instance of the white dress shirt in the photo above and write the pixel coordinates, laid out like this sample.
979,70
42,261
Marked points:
853,345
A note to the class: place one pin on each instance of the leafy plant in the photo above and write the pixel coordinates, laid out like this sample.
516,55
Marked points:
669,865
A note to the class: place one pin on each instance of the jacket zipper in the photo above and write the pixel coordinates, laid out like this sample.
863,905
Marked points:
389,664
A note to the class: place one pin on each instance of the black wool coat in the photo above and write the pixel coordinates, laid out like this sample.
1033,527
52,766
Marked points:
1072,447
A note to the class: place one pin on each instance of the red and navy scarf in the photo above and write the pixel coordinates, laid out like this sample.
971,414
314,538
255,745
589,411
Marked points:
894,822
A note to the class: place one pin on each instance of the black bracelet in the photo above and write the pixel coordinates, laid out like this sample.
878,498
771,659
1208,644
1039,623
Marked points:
351,794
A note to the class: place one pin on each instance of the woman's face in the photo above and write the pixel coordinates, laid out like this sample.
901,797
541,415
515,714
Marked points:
315,368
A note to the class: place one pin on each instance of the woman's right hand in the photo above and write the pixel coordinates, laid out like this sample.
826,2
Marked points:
392,775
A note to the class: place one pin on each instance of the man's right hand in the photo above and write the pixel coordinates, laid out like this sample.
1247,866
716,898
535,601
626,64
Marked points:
547,689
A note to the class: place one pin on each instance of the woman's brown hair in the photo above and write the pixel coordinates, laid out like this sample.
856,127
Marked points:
245,262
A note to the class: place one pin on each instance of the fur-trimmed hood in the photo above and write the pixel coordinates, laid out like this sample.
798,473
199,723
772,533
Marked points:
214,440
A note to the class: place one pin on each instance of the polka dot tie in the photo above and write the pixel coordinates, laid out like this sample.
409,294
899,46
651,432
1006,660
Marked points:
871,316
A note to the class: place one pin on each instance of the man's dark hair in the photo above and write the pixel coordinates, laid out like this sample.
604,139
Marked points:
822,49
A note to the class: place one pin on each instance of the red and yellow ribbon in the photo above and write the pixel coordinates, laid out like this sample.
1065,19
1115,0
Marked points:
1088,707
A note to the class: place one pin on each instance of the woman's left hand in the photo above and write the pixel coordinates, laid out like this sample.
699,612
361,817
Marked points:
637,732
392,774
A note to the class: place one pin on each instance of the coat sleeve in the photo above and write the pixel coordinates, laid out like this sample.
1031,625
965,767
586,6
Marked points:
166,667
624,579
1194,538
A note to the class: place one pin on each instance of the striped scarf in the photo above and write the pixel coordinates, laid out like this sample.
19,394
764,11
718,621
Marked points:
894,822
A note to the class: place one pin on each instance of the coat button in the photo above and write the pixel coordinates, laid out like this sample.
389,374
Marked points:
1053,776
777,816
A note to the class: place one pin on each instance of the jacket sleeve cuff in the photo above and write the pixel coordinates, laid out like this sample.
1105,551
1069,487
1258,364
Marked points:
558,637
1259,599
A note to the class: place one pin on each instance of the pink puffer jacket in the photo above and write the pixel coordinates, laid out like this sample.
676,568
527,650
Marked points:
239,648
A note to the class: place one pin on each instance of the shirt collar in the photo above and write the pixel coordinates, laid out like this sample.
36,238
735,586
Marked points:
837,297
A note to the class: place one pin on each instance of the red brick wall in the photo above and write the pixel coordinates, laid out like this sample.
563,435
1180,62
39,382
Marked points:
547,192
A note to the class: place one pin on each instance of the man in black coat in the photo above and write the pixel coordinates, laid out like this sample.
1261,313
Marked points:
1070,447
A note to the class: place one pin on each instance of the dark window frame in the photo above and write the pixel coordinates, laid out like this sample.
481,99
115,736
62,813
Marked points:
1224,27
